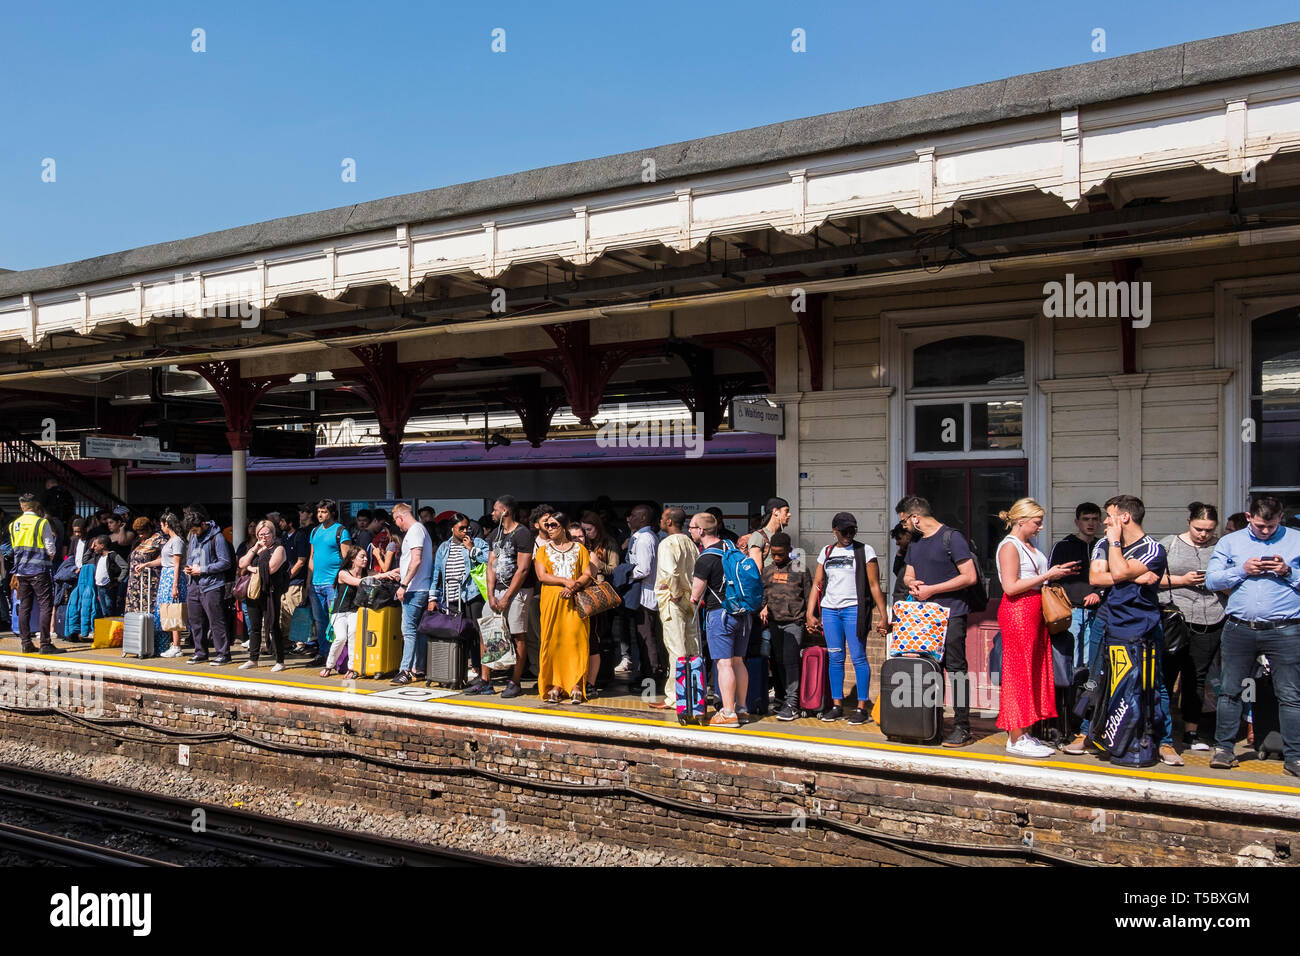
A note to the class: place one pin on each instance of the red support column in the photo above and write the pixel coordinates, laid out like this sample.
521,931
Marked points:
584,369
239,397
390,387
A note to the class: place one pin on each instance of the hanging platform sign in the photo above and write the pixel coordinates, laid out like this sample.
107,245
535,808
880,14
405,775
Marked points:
118,447
758,417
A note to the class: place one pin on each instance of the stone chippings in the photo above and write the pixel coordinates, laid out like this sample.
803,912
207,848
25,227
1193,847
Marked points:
520,843
518,821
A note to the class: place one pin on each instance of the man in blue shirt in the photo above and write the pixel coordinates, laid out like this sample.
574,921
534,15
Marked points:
324,559
1260,566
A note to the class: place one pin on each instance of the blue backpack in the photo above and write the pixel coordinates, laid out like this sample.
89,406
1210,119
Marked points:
742,579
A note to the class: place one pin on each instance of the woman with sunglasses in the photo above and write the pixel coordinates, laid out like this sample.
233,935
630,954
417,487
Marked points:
563,568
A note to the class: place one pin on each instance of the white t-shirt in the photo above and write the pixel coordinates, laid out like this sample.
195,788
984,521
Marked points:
417,537
1032,561
101,571
842,575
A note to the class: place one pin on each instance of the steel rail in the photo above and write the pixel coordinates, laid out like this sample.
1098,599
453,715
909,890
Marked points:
226,829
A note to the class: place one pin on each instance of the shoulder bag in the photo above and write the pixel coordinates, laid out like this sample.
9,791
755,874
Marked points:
1172,622
596,599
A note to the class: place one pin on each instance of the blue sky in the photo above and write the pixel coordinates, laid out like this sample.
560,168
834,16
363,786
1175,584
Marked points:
152,141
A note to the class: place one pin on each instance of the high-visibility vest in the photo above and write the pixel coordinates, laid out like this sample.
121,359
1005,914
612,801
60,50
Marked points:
27,536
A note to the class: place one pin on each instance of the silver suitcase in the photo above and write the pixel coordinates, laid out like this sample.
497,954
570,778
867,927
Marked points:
137,627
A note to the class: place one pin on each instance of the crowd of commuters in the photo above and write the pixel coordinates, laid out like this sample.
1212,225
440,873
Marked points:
1239,596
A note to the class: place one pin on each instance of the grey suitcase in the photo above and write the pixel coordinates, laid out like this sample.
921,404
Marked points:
137,627
447,661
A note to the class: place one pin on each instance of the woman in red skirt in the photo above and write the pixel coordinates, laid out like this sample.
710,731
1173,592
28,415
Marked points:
1028,692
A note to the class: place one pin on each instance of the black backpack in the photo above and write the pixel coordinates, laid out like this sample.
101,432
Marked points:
977,595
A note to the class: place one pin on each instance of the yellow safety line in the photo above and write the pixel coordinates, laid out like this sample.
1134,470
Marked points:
226,675
1135,773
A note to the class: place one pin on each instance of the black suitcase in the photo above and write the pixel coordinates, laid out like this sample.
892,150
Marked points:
1265,720
911,700
447,663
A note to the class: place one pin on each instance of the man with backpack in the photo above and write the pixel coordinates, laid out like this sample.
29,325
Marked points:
729,583
940,569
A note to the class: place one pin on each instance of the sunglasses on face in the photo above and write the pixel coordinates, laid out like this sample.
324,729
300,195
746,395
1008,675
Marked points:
550,524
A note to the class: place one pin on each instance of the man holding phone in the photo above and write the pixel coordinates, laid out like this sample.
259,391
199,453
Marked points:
1260,566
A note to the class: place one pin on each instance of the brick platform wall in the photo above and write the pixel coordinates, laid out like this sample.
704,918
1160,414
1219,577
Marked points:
939,811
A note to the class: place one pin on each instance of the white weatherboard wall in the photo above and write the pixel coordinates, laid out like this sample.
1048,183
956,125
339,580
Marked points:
1158,434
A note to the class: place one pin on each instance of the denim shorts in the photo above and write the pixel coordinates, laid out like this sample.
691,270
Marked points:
728,634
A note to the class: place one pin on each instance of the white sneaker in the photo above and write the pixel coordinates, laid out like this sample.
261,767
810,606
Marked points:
1027,746
247,665
244,644
172,651
623,669
277,668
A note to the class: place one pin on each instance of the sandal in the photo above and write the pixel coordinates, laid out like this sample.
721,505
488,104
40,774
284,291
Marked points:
554,697
576,697
327,672
351,675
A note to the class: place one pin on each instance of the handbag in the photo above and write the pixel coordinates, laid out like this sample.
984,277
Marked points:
498,648
444,626
241,587
1057,609
254,583
478,574
1177,633
173,617
596,599
376,593
920,627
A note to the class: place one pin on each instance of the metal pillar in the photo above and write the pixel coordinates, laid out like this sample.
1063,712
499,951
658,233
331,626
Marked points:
118,482
392,485
238,493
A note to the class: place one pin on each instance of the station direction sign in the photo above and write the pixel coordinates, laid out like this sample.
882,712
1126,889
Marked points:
120,447
758,417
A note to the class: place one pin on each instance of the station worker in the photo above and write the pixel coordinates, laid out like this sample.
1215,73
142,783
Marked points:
34,544
1260,566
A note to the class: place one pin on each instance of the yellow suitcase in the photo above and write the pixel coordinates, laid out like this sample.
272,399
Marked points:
108,632
379,641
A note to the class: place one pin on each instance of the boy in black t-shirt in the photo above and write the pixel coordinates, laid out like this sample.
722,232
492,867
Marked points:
940,567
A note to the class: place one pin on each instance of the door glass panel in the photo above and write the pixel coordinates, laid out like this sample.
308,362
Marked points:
996,426
994,489
946,490
941,427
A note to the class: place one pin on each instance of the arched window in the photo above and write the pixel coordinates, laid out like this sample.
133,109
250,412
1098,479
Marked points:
969,360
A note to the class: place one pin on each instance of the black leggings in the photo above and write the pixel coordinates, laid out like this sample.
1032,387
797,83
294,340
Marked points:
1192,665
259,621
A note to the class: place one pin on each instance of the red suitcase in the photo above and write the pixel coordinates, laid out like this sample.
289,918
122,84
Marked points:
814,679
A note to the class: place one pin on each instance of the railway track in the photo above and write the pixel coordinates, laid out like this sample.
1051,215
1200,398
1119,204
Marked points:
254,837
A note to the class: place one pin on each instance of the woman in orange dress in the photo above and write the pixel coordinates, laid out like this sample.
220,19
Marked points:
562,568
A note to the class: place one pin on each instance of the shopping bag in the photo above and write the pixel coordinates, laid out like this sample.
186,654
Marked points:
498,646
478,574
172,617
919,628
